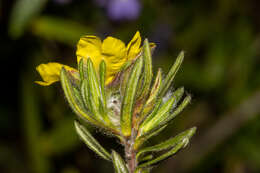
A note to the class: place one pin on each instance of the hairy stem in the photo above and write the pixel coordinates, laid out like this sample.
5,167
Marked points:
130,153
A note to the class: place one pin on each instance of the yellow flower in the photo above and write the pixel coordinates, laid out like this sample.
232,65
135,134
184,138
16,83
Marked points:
50,72
113,51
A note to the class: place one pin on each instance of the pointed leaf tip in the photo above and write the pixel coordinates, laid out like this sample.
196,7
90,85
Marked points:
174,144
148,73
171,74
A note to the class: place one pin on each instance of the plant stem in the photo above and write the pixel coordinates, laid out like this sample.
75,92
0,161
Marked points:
130,153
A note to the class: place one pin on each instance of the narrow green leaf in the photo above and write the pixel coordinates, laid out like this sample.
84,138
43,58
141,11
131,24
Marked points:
171,74
119,164
174,144
94,91
84,93
70,95
142,170
178,94
91,142
153,95
162,157
145,158
102,77
101,109
144,137
93,82
75,85
91,91
129,97
168,143
125,77
82,67
91,105
78,98
148,73
156,86
155,120
153,113
103,100
179,109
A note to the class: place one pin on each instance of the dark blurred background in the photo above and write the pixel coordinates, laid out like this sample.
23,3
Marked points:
221,71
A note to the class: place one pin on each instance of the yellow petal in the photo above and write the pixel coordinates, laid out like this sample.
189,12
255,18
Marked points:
114,49
114,54
109,79
133,47
50,72
89,47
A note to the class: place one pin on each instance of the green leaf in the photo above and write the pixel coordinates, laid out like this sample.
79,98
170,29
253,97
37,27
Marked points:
125,77
162,157
174,144
144,137
142,170
82,67
70,95
156,108
145,158
179,109
171,74
94,92
106,123
168,143
154,120
151,101
86,97
119,164
91,142
129,97
102,77
78,97
93,82
75,85
94,106
23,12
156,86
148,72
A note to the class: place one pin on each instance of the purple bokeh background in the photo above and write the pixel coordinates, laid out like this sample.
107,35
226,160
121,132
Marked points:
119,10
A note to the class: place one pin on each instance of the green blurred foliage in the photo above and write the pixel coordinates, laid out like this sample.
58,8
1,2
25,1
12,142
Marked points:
220,70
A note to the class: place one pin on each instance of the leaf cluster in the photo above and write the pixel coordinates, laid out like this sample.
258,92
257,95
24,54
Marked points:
132,107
